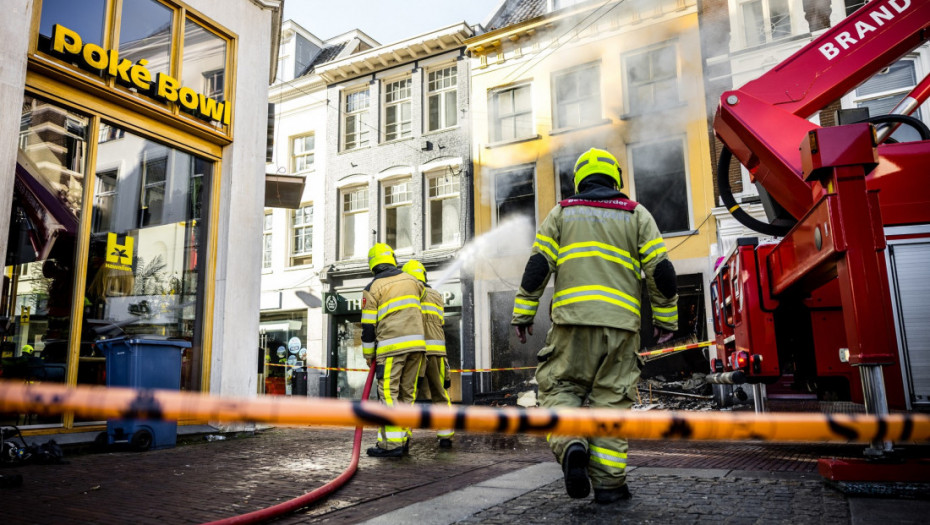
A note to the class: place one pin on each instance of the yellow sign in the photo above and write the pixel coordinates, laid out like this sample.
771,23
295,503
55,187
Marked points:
163,87
24,315
119,256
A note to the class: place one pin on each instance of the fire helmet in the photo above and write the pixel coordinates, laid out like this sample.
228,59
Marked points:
597,161
380,253
416,269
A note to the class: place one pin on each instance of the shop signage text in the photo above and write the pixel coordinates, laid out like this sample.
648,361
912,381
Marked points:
162,87
351,302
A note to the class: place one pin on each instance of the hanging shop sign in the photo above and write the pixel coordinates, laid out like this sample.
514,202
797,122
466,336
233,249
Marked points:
119,256
135,75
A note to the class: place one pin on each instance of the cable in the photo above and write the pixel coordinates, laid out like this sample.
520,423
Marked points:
696,231
300,502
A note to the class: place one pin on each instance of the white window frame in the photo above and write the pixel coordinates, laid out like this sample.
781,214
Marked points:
302,226
267,240
359,205
496,220
385,205
765,8
595,98
398,97
439,82
496,117
453,190
638,106
300,155
356,111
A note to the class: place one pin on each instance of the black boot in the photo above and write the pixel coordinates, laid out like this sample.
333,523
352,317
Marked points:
445,443
378,452
604,496
575,469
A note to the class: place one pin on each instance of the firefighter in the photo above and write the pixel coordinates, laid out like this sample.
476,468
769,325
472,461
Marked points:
392,336
598,244
437,364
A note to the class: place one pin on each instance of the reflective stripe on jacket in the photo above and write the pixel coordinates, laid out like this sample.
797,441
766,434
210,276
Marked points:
433,319
391,304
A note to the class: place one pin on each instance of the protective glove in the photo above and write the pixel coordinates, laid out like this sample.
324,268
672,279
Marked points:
369,360
662,335
522,330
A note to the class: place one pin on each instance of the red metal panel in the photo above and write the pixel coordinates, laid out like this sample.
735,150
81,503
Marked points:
799,255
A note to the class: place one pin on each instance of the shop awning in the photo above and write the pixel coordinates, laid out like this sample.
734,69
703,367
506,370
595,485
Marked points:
283,191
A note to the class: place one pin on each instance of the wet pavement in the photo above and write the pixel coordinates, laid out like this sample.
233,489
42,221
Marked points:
484,478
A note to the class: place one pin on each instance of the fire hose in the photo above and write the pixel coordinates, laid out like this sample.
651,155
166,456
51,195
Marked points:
300,502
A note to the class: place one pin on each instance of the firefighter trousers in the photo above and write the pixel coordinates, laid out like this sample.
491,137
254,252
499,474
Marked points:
437,375
397,385
596,364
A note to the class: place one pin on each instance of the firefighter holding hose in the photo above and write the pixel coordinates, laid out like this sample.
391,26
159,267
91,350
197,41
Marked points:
392,336
598,245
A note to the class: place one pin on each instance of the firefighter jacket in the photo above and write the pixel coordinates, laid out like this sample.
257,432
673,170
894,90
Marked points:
598,245
392,323
433,320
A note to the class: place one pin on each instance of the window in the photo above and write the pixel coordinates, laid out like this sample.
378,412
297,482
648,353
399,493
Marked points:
565,173
267,225
577,97
885,90
303,152
397,112
302,247
154,182
442,98
512,114
514,193
214,84
355,120
652,79
442,210
354,241
105,199
303,55
107,133
145,33
765,21
661,185
87,18
204,64
398,214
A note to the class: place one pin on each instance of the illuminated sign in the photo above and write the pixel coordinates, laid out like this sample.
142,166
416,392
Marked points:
162,87
119,256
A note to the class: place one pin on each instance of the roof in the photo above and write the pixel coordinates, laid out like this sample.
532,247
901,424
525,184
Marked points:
327,54
515,11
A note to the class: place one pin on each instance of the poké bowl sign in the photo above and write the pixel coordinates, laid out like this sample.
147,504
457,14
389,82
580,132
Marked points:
135,75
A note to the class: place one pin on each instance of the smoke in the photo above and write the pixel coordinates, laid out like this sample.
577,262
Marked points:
511,238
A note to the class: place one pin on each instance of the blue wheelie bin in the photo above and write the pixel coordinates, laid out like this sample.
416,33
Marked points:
143,361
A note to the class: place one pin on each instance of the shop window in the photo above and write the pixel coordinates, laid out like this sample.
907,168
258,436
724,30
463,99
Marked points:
145,33
398,120
577,97
354,238
885,90
267,225
203,67
660,183
108,132
154,182
442,98
512,114
765,21
443,208
397,214
652,79
304,150
87,18
302,239
355,121
105,199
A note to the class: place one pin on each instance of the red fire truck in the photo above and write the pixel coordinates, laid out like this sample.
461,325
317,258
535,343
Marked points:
841,302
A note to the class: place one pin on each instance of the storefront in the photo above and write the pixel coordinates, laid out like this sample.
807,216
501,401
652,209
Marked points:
344,309
120,214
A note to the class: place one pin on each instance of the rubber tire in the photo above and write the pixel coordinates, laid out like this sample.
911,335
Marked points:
101,442
141,440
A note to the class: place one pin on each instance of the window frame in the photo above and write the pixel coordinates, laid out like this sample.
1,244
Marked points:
569,159
398,104
383,207
358,116
296,155
628,84
362,189
496,218
440,93
268,241
631,179
496,118
920,61
302,258
556,103
428,200
768,33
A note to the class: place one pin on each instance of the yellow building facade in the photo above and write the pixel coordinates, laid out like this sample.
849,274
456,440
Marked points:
621,76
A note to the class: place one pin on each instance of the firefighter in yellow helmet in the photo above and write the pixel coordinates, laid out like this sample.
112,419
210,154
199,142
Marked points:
437,364
597,244
392,335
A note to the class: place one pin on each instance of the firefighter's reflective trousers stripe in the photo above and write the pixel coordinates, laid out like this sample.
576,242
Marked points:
437,369
599,364
397,385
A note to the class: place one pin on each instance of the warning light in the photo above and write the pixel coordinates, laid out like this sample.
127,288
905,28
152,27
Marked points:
742,360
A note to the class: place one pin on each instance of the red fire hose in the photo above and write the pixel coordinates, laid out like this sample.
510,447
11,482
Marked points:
297,503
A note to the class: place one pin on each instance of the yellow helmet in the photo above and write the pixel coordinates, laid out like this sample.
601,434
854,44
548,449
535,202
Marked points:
27,350
597,161
416,269
380,253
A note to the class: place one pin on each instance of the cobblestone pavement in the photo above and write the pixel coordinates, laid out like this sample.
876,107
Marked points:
199,481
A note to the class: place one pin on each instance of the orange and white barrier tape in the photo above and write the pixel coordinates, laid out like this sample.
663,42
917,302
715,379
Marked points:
453,370
114,403
676,349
